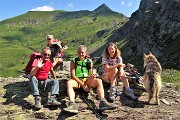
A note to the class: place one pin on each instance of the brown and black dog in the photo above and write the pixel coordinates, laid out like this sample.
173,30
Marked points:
152,77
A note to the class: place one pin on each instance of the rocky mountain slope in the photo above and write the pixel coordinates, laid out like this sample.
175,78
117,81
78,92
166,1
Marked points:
16,102
154,27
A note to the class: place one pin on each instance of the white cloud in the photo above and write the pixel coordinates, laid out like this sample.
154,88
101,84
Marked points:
129,4
122,3
70,5
43,8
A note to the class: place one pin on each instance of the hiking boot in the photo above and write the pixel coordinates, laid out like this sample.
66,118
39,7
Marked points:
52,101
71,108
112,94
38,102
104,105
129,93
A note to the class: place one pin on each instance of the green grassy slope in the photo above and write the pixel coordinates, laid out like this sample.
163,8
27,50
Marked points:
23,34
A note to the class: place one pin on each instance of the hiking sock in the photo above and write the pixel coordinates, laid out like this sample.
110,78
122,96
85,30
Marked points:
128,88
71,103
112,93
103,100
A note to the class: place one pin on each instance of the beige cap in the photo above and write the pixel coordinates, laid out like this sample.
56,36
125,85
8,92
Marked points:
49,37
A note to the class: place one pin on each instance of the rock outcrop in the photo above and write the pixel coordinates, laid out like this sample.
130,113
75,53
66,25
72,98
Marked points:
154,27
17,102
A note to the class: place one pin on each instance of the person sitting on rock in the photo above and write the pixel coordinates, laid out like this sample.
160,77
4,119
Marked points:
39,77
113,69
58,58
82,77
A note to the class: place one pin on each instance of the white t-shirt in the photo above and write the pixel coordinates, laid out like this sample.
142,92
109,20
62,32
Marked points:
111,61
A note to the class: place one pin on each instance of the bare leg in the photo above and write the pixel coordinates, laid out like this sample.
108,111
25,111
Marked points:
123,78
70,91
112,76
125,82
100,90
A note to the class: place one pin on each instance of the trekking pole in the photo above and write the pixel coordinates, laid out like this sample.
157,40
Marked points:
117,89
91,106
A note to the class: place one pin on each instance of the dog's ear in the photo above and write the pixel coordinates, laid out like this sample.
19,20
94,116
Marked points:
144,55
63,44
150,53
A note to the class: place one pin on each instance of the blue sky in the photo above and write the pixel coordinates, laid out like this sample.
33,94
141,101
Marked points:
12,8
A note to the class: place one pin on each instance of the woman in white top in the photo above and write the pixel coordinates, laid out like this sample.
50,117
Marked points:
113,69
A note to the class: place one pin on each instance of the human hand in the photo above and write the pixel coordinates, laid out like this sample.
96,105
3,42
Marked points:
40,63
91,77
121,74
85,87
122,65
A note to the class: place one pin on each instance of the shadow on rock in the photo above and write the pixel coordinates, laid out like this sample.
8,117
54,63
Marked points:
63,115
16,93
126,101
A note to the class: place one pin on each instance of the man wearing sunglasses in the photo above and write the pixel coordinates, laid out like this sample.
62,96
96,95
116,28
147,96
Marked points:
39,78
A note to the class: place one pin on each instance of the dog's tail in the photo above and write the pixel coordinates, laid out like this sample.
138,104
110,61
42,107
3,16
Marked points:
151,76
154,82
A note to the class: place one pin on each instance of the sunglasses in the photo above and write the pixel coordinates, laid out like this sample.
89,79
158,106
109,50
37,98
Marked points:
45,54
49,39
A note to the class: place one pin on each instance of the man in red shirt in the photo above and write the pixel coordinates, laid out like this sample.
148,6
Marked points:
39,77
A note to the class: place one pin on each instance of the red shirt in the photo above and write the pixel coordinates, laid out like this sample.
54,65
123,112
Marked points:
42,73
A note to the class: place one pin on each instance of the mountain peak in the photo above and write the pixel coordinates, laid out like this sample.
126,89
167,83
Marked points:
103,8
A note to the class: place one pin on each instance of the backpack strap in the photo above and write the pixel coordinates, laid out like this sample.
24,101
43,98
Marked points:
75,61
88,63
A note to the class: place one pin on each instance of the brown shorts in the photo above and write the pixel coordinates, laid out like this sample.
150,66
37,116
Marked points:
87,82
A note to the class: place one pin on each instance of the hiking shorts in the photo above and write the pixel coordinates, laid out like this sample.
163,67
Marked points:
85,81
104,77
